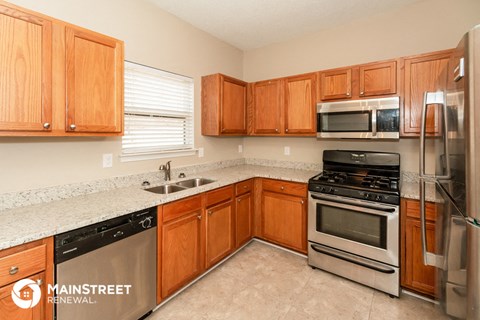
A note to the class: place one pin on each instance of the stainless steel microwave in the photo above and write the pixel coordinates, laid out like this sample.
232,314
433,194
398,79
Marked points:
359,119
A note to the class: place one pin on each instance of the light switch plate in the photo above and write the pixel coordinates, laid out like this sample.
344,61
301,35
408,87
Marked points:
286,151
240,148
107,160
201,152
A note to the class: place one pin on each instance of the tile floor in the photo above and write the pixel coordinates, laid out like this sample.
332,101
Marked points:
264,282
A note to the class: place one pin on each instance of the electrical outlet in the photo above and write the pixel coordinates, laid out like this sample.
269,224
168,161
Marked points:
240,148
286,151
107,160
201,152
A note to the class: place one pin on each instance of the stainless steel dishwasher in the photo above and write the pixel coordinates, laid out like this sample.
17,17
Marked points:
107,270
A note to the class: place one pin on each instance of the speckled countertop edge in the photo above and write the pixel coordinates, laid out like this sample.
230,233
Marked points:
25,224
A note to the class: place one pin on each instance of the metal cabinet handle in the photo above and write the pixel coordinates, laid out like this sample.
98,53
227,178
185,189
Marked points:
13,270
348,94
244,187
199,217
282,188
302,202
286,130
73,127
39,282
46,125
362,93
210,212
276,130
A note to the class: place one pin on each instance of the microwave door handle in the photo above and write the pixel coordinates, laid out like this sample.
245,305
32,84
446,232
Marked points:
429,259
374,122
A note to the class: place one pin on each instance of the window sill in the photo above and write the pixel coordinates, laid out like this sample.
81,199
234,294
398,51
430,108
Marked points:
157,155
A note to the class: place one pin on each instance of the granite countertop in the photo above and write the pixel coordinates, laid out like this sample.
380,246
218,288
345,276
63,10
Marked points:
29,223
411,190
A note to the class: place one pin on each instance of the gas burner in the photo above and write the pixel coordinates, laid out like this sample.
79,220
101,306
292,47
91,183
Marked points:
377,179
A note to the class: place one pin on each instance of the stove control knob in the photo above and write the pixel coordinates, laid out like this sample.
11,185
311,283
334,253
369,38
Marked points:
328,190
322,189
379,198
366,195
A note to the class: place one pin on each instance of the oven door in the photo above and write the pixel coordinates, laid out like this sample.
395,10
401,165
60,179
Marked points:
364,228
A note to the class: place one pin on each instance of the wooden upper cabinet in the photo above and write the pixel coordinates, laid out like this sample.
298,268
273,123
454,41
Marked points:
25,71
224,106
57,78
336,84
267,107
422,73
378,79
300,102
94,80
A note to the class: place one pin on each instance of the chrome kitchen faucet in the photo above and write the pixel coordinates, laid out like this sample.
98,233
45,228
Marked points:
166,168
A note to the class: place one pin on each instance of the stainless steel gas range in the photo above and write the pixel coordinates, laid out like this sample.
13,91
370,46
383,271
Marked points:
353,218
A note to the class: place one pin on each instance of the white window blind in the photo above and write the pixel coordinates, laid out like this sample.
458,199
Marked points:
158,112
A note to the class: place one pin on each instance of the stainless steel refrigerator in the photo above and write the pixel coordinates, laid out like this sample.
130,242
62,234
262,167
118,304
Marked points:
456,180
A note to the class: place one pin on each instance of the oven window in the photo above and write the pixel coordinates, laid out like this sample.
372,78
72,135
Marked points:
352,225
357,121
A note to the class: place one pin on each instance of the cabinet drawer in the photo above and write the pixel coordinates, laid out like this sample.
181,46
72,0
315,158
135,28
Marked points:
219,195
243,187
412,208
279,186
181,207
22,264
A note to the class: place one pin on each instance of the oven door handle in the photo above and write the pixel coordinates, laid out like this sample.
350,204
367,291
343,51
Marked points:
356,260
352,205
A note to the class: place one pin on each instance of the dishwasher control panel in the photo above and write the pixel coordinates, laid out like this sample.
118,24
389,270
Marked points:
79,241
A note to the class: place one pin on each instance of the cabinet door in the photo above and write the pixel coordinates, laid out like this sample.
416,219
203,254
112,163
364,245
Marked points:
94,80
425,73
25,71
336,84
267,109
284,220
378,79
243,219
300,112
418,276
181,249
9,310
220,234
233,106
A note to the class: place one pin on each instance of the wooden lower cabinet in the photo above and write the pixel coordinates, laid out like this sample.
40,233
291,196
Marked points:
284,216
220,232
32,261
415,275
9,310
180,246
243,219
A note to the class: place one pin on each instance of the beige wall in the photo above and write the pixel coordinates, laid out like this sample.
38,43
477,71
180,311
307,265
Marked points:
423,27
152,37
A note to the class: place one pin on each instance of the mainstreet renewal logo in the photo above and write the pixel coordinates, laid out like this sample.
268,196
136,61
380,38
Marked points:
67,294
23,298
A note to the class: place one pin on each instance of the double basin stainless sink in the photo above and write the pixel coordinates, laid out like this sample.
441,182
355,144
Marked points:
180,186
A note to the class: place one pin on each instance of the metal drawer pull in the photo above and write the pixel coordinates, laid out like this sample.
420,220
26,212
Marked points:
239,200
73,127
302,202
244,187
199,217
355,260
13,270
46,125
39,282
210,212
282,188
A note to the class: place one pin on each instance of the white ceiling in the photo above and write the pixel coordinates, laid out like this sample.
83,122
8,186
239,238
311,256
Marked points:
250,24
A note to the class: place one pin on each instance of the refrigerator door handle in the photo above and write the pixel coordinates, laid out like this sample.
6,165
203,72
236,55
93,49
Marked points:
429,259
432,98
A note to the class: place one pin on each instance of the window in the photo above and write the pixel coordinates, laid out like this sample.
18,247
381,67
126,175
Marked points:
158,114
